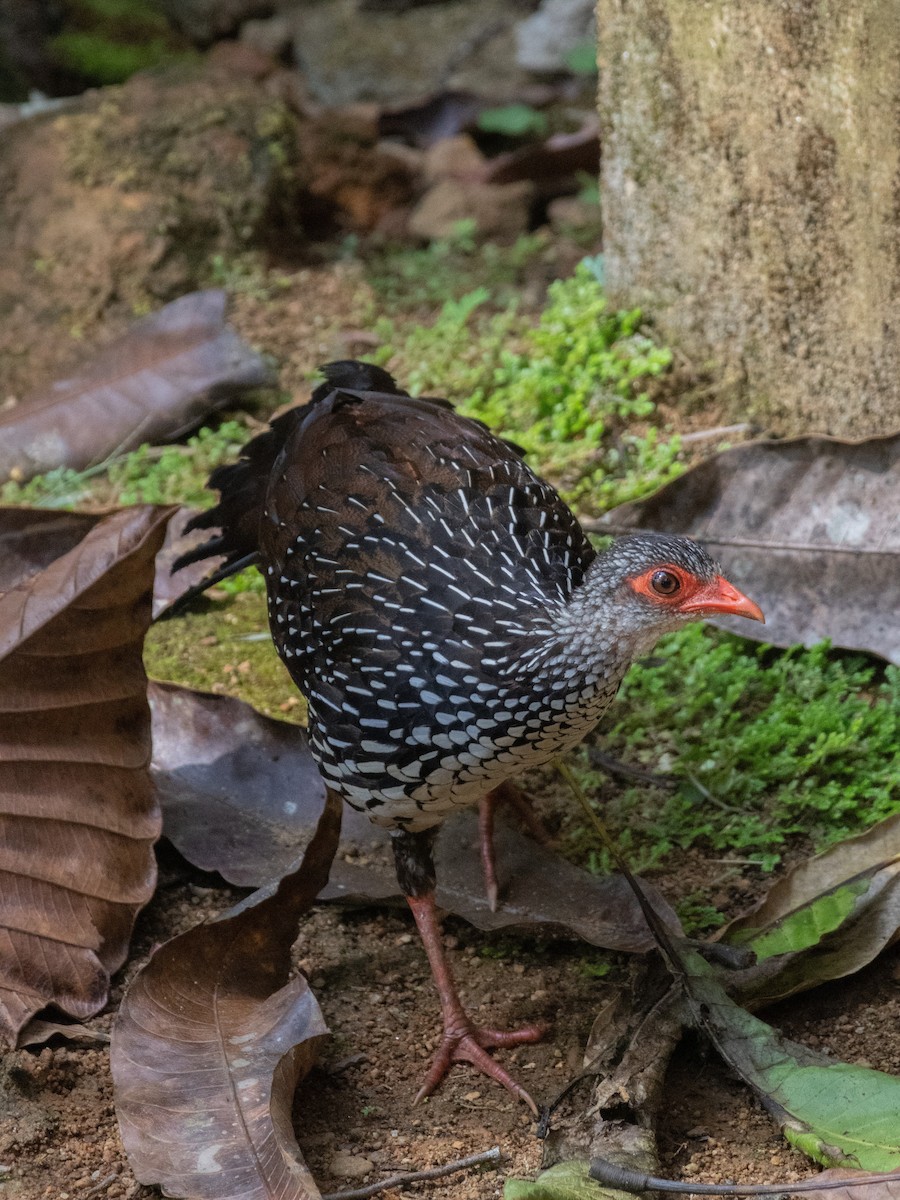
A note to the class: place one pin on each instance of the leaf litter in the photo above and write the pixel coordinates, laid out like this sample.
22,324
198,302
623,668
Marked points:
773,1065
78,816
211,1040
158,380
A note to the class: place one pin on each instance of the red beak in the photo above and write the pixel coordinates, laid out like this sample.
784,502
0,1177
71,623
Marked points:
721,597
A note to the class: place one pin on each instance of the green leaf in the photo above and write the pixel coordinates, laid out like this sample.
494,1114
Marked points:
838,1113
807,926
513,120
565,1181
582,59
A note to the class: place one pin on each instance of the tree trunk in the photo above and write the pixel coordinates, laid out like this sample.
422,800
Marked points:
751,196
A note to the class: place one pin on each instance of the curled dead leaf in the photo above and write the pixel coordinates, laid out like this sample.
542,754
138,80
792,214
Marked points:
211,1040
78,817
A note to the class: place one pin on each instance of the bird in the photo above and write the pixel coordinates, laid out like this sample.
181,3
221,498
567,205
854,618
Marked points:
445,616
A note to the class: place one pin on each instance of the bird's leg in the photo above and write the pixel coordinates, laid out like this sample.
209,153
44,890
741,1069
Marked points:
510,794
462,1041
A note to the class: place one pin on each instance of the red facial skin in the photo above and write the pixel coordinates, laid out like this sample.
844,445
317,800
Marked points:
693,596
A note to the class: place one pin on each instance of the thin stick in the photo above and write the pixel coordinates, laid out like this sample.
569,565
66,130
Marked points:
720,431
486,1157
102,1185
611,1175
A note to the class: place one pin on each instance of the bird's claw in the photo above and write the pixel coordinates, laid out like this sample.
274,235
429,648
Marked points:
470,1044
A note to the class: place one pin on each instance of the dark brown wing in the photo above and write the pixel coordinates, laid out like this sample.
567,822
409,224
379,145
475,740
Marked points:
410,555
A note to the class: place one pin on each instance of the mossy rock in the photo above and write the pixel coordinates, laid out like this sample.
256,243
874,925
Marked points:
121,201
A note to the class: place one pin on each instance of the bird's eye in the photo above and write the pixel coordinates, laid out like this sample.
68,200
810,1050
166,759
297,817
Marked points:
664,583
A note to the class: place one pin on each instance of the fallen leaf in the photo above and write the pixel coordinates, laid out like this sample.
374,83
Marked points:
152,384
169,587
440,116
38,1033
827,918
889,1190
240,792
564,1181
211,1041
548,161
807,526
78,817
840,1114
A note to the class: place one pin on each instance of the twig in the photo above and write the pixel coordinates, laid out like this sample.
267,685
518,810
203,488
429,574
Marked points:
611,1175
614,766
700,435
102,1185
486,1157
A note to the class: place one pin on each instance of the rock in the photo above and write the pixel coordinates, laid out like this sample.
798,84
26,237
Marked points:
350,1166
205,20
500,211
546,38
271,36
347,53
119,201
453,158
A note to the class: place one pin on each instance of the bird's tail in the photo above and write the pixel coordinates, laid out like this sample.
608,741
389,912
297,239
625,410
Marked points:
242,485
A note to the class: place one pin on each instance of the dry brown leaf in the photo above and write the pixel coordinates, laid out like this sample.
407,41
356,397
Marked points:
169,587
240,792
889,1190
78,816
557,156
211,1040
152,384
809,527
827,918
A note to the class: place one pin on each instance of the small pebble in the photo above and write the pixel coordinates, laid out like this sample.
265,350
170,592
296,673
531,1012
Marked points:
350,1166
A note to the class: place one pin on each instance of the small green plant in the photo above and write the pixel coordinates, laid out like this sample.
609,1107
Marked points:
513,120
768,746
407,280
173,474
582,59
595,966
568,390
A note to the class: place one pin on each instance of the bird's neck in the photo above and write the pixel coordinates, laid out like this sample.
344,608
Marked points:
595,636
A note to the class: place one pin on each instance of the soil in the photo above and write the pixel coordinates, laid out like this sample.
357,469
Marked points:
354,1114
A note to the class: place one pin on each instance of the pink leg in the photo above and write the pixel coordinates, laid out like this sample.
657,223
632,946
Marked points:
463,1041
506,793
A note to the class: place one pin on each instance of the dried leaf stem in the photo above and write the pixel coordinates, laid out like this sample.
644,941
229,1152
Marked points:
611,1175
485,1158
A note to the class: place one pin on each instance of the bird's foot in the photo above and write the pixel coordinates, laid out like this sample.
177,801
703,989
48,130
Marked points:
465,1042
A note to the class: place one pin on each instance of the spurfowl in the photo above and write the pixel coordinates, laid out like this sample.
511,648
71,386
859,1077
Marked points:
443,613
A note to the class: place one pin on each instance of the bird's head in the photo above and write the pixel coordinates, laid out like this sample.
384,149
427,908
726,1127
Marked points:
649,584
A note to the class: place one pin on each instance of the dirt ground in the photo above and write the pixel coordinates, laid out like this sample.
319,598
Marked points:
353,1114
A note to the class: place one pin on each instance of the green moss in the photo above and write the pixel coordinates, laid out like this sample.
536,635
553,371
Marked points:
408,281
226,649
768,746
106,41
174,474
569,389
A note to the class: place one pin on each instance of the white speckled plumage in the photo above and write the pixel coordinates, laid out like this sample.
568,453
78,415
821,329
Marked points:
424,583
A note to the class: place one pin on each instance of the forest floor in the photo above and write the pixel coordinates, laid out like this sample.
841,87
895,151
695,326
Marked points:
354,1114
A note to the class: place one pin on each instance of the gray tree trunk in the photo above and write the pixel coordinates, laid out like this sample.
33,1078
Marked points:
751,195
